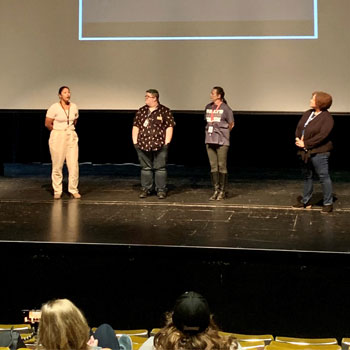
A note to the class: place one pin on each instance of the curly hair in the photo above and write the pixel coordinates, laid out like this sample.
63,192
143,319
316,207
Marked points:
169,337
62,327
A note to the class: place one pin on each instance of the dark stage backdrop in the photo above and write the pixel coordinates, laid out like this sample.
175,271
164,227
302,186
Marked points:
259,140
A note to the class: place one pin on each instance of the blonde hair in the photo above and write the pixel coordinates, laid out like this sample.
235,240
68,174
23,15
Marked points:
170,337
62,326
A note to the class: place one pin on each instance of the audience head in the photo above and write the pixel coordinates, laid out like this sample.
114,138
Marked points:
190,326
62,326
191,313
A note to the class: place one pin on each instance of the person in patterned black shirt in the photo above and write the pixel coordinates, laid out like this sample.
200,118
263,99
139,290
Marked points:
151,134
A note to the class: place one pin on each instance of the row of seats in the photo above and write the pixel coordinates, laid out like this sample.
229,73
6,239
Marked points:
247,342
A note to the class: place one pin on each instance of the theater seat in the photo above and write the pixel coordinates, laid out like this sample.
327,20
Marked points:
345,343
275,345
21,328
266,338
307,341
252,345
154,331
137,341
25,330
135,332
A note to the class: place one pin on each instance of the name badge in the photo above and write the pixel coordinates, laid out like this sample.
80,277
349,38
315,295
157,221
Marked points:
159,117
145,123
210,129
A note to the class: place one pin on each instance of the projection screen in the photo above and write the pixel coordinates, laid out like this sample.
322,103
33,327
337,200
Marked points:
268,55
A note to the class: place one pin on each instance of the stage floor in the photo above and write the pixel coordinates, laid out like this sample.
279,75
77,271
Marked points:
258,214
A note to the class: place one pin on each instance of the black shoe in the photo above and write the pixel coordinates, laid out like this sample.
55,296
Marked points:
327,208
144,193
161,194
301,205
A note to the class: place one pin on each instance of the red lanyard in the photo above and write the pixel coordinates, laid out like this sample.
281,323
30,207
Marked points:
212,112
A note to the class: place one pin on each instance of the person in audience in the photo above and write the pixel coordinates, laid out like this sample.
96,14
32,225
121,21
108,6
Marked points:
151,135
64,327
313,139
220,121
190,326
61,119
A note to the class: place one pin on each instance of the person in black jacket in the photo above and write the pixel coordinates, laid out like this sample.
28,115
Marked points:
313,139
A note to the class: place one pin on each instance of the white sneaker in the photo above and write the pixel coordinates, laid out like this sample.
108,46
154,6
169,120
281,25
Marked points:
57,196
76,195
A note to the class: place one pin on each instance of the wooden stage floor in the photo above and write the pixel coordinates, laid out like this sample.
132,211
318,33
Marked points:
258,214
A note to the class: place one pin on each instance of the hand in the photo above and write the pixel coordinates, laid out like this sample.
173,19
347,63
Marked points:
92,342
300,142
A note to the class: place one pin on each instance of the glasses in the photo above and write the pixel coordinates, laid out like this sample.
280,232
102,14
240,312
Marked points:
147,96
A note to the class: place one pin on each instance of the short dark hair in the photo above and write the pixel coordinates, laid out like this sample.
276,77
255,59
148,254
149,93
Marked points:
61,88
154,93
323,100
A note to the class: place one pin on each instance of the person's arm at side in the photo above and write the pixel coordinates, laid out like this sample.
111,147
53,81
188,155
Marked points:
230,119
49,123
168,135
135,134
76,116
76,120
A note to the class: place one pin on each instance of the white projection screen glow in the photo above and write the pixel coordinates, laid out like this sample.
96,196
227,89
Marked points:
268,55
197,19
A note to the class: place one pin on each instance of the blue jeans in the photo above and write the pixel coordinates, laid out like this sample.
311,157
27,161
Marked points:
153,162
318,164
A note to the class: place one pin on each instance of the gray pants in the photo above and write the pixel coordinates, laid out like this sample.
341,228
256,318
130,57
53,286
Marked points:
153,161
217,158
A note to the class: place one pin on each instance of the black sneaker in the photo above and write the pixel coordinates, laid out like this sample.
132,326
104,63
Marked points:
301,205
327,208
161,194
144,193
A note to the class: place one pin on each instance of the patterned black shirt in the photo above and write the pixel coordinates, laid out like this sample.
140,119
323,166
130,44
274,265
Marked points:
152,127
